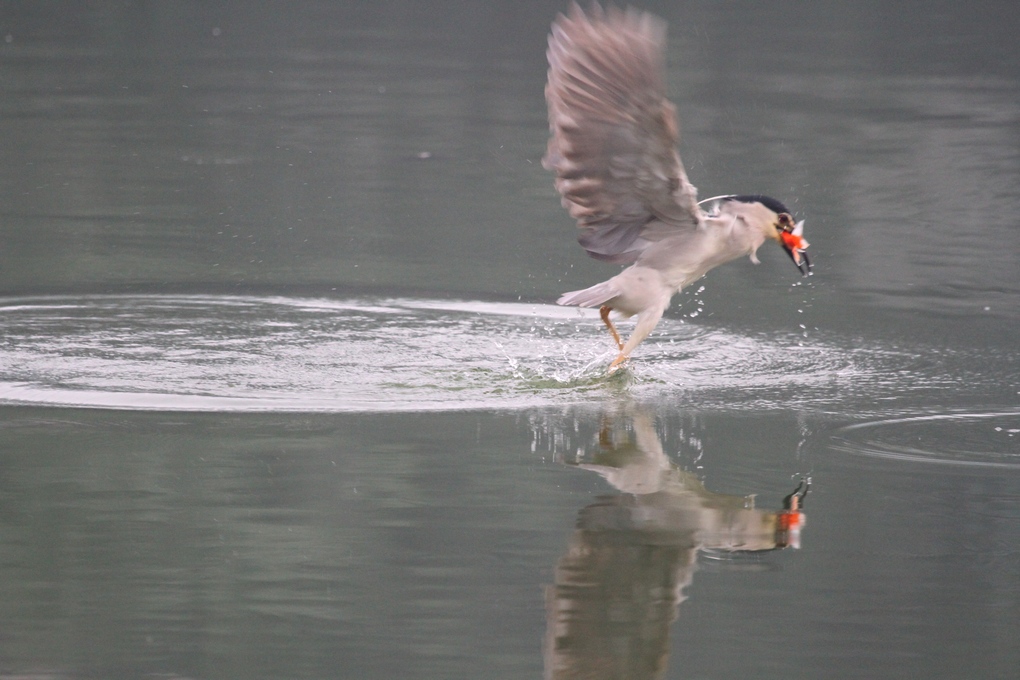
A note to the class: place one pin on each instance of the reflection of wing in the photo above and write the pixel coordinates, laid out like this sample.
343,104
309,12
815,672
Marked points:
614,133
616,591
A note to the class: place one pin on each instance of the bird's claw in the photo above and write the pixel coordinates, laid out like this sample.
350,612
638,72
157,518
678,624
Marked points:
617,363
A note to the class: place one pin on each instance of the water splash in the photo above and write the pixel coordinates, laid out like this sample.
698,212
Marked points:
247,353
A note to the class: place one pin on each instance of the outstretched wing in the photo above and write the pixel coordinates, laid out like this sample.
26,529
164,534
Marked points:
614,133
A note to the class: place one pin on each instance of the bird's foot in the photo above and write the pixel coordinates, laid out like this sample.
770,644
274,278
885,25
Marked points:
617,363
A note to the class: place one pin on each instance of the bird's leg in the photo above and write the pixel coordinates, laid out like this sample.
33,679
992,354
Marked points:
646,322
604,313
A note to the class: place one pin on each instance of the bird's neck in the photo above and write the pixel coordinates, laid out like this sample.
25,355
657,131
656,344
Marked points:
734,237
720,241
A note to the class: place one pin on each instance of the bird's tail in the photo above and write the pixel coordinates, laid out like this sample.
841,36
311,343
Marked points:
595,296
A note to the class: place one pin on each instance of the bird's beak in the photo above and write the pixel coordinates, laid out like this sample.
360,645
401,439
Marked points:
794,244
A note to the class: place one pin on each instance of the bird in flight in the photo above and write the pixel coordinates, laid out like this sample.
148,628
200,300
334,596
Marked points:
613,150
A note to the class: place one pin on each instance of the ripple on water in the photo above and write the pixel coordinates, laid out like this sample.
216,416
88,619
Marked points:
237,353
971,439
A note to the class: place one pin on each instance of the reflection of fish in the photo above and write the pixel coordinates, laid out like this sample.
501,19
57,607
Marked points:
619,583
613,149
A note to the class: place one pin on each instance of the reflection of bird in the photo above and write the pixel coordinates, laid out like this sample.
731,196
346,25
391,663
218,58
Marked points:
613,149
618,586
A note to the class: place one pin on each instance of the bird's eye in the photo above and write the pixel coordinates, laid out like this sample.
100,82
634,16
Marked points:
785,222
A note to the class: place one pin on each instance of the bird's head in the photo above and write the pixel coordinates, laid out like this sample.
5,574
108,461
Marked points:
772,217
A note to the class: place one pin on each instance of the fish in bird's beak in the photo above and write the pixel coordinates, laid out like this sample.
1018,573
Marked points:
793,242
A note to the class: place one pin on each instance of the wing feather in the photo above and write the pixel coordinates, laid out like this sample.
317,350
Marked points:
613,133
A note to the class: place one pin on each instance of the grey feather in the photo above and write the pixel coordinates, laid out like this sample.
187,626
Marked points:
597,295
614,133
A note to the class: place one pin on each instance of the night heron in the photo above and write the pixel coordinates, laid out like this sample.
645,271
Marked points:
613,149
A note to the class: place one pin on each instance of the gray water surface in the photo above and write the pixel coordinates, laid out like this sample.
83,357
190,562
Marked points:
284,393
